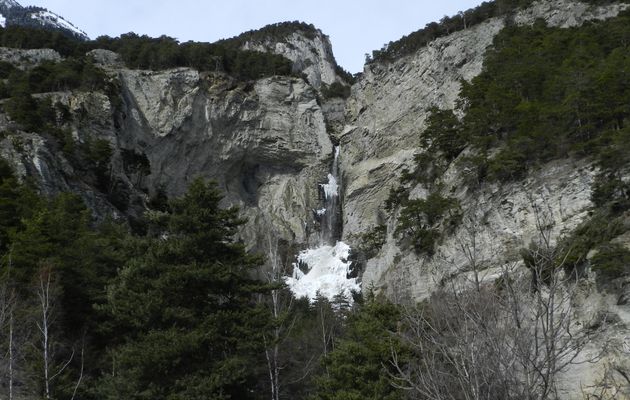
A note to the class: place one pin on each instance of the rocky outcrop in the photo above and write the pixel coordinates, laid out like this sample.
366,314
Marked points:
498,220
310,52
106,58
567,13
28,58
33,157
385,120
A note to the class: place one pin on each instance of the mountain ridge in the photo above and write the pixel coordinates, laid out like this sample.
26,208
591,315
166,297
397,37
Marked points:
15,14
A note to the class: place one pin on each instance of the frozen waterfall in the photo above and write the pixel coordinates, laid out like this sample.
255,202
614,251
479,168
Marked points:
327,266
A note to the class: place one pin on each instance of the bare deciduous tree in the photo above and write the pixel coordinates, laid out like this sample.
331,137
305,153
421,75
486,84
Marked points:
46,292
278,308
507,339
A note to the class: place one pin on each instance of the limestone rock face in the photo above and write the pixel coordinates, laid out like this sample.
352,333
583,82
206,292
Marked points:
311,54
388,107
385,118
163,100
265,143
501,220
32,157
387,110
567,13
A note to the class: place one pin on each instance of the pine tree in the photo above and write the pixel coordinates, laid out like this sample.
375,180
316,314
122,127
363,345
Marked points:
358,366
184,309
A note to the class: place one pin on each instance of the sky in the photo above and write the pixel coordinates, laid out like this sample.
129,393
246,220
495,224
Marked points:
355,27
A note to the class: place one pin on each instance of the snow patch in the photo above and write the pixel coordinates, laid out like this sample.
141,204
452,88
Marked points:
320,212
328,268
10,3
47,17
3,21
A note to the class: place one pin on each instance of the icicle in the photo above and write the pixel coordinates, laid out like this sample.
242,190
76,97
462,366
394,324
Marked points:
331,188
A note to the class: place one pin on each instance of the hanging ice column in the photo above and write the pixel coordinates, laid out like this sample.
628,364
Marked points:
327,265
329,220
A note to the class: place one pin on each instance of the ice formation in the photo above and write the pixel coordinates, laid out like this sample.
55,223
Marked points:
327,274
331,188
327,266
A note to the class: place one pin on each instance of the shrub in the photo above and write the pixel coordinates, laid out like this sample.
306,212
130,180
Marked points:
596,231
611,261
397,195
372,241
422,221
336,89
610,190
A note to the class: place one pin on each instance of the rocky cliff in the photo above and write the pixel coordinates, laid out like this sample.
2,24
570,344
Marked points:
309,50
265,143
385,119
384,123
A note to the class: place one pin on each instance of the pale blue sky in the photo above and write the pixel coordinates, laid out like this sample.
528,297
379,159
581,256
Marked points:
355,27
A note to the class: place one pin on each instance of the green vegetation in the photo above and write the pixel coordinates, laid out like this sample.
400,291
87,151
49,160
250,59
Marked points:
29,38
154,53
14,204
336,89
447,25
275,32
165,52
359,367
571,96
70,74
345,75
182,296
144,52
611,261
595,233
372,241
422,222
175,312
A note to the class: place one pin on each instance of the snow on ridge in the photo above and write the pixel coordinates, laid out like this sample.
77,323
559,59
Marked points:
10,3
327,275
58,21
